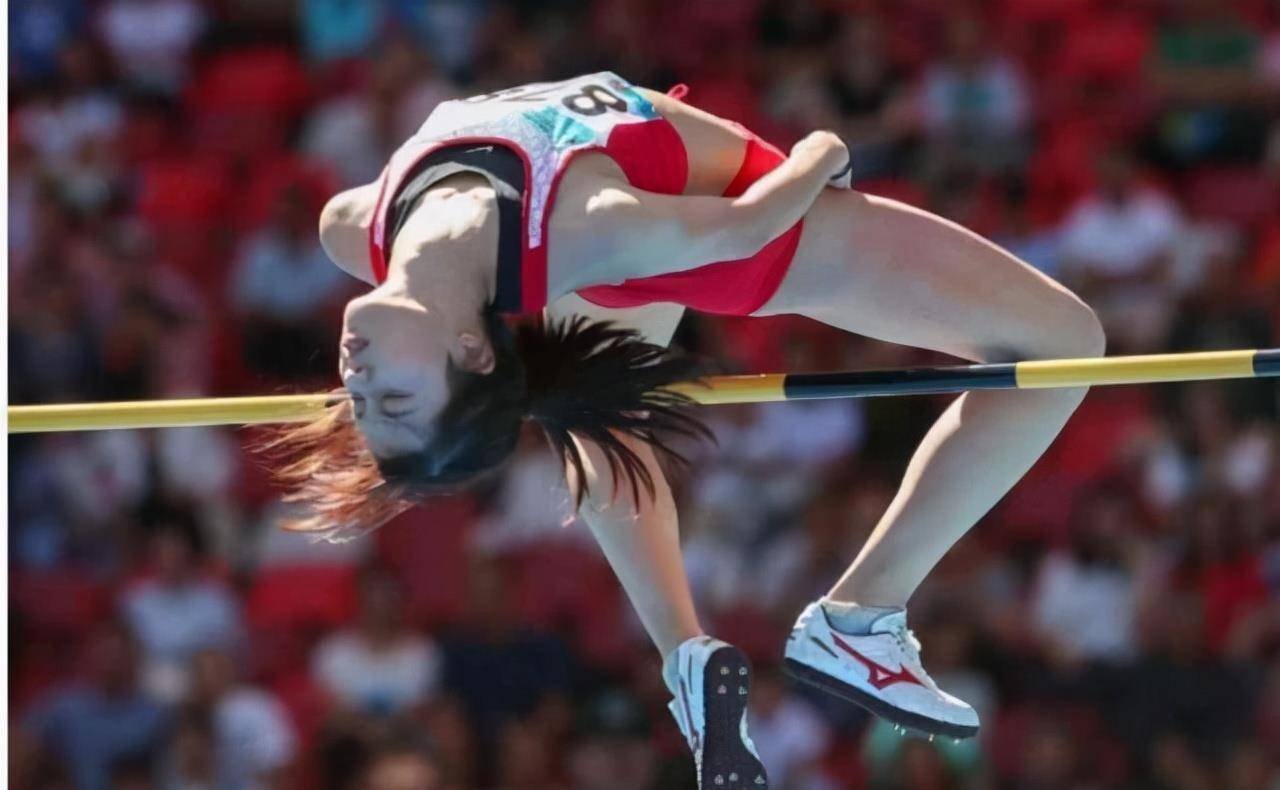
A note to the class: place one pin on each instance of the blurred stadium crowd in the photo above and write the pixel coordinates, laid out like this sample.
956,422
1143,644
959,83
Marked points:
1116,620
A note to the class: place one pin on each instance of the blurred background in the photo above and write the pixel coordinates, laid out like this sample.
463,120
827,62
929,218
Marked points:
1116,620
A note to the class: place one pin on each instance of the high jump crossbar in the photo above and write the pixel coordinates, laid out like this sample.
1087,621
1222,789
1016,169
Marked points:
759,388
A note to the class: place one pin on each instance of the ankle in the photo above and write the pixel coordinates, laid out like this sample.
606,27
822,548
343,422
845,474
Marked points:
852,618
670,669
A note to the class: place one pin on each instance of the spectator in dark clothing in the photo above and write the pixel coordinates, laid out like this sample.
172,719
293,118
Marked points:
38,31
52,353
871,94
400,763
613,745
1177,689
102,723
497,667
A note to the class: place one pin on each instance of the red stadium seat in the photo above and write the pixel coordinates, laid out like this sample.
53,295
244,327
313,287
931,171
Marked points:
427,547
301,597
273,176
1062,169
1047,11
244,102
843,762
750,628
184,191
58,601
563,583
184,201
1112,48
1241,195
1086,451
255,80
307,703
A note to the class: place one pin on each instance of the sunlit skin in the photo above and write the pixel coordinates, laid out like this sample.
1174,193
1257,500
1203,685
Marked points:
864,265
398,338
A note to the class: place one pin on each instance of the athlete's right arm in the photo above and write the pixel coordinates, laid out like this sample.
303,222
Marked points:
647,233
642,544
656,324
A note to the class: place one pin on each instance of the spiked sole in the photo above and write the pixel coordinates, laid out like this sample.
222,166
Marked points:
726,761
912,721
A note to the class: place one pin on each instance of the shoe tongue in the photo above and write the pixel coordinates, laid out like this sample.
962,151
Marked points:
888,622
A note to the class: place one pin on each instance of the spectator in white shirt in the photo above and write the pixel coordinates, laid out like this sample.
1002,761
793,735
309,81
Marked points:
151,40
1085,599
179,610
1115,250
973,104
379,666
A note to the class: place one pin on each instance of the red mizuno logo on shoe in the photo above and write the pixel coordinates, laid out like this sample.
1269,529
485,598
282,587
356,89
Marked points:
880,676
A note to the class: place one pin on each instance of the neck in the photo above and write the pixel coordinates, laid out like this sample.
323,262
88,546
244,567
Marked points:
445,256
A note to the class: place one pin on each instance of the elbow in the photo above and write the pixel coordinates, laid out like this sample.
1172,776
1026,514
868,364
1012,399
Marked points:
1093,334
603,500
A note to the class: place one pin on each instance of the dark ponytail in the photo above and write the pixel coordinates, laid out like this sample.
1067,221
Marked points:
596,381
593,380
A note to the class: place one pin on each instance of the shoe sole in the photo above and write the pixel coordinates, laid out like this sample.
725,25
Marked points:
726,760
914,721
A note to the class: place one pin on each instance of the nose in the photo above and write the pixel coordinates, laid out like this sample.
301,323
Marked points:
354,371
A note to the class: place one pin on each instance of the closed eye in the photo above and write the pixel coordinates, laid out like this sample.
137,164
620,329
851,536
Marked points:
396,404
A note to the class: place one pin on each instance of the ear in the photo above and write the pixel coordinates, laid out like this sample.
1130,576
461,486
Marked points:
473,353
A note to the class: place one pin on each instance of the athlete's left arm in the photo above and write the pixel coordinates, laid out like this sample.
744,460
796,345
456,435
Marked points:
646,233
344,230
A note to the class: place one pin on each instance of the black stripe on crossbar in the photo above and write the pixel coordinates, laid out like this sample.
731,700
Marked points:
909,381
1267,363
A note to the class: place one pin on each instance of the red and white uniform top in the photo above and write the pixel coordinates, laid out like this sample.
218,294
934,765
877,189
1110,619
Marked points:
546,124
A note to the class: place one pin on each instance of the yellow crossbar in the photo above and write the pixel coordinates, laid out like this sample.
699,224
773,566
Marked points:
1147,369
712,390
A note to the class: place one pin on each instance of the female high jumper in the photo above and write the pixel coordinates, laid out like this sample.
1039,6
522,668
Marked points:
612,209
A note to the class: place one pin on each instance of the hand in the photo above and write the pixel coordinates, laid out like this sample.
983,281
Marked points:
828,147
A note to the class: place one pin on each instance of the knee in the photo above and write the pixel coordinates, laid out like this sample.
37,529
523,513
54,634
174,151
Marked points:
1088,338
1068,330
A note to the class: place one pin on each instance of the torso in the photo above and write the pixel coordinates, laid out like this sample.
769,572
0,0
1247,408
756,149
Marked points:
662,145
714,152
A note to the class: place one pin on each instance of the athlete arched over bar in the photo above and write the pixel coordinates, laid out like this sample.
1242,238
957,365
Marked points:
594,200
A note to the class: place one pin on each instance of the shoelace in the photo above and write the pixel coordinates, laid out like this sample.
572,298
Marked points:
906,639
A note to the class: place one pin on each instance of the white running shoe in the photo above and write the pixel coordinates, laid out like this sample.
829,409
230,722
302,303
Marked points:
711,681
880,671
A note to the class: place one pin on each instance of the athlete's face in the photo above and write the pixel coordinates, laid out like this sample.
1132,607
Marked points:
394,360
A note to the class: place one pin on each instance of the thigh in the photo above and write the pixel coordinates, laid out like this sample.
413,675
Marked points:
883,269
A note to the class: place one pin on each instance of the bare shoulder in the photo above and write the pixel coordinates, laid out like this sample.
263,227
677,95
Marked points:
344,230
